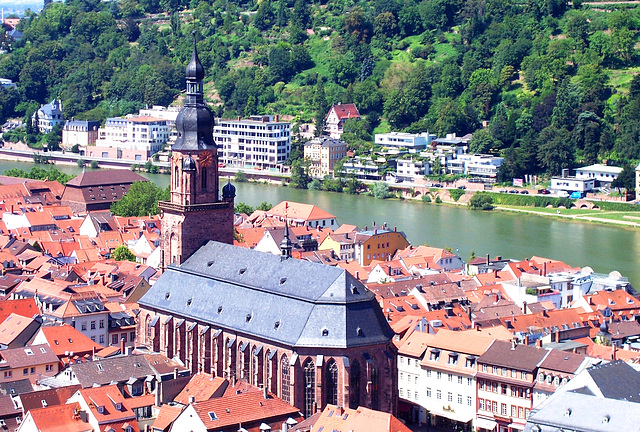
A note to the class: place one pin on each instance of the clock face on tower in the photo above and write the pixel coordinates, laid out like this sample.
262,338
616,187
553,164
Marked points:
206,158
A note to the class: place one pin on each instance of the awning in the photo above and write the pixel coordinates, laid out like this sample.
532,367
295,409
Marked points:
517,426
452,415
489,425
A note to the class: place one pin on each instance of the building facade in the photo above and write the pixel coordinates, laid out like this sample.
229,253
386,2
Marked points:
49,116
404,140
324,152
143,133
79,132
334,122
262,142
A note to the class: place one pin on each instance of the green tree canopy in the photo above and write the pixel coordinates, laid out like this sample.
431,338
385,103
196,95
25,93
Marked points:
122,253
141,200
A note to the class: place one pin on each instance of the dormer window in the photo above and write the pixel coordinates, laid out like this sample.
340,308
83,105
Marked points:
101,410
434,355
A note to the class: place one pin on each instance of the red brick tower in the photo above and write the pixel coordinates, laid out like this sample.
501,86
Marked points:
195,213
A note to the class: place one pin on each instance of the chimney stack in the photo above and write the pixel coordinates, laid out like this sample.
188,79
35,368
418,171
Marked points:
122,341
539,343
175,373
544,268
488,259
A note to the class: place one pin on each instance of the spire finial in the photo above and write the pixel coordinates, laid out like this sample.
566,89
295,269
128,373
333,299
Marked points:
285,245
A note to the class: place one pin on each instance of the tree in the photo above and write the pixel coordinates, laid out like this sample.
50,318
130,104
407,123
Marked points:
483,141
243,208
141,200
81,163
380,190
122,253
299,59
300,177
555,150
321,107
279,63
626,179
481,201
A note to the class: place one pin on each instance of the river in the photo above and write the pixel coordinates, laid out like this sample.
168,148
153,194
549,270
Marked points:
603,248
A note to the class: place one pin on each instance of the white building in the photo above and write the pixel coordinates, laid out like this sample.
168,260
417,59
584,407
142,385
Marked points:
334,122
446,380
141,133
166,113
410,169
476,165
602,174
404,140
262,142
79,132
572,184
49,116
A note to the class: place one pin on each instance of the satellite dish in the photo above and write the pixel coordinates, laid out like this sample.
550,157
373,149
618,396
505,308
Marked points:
615,275
587,270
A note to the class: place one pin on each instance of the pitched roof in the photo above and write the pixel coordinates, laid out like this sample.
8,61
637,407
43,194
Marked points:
64,338
62,418
416,344
562,361
616,380
202,387
334,418
13,326
105,177
237,288
467,342
242,408
29,356
521,357
112,369
112,402
24,307
345,111
299,211
52,397
166,416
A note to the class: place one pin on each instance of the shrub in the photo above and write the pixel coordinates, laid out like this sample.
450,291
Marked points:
438,200
94,164
481,201
81,163
456,194
426,198
241,177
380,190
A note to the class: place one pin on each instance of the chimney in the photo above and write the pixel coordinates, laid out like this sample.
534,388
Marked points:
526,340
175,373
192,399
524,308
395,229
488,259
389,270
265,393
615,352
122,346
544,268
358,275
513,344
129,350
539,343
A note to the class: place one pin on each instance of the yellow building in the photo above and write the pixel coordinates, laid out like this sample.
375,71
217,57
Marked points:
378,243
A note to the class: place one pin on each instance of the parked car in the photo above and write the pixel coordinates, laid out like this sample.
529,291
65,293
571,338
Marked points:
524,192
462,187
437,185
576,195
513,191
544,191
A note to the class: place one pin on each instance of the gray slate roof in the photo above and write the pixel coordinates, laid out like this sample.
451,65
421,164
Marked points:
118,369
617,380
290,301
580,412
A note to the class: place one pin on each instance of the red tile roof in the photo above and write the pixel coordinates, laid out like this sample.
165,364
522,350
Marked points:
345,111
340,419
243,408
22,307
295,210
64,338
61,418
202,387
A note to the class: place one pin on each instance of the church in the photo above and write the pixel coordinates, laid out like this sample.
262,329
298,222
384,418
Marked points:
309,333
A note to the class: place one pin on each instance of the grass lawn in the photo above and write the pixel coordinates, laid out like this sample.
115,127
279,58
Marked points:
620,79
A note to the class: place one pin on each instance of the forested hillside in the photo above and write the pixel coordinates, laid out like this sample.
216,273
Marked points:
555,83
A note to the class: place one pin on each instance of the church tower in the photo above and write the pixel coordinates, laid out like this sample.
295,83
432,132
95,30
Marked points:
195,213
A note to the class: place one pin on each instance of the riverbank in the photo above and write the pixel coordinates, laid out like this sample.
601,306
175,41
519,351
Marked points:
618,218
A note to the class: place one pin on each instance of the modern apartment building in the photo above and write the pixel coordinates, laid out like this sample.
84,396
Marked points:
144,134
259,142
